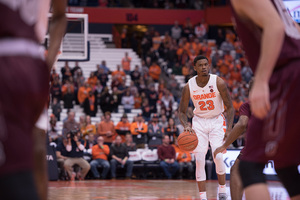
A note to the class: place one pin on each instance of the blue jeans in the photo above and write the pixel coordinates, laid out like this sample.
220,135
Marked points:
100,163
114,163
169,169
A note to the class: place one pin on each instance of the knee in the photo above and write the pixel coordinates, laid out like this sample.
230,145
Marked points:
163,164
106,164
219,157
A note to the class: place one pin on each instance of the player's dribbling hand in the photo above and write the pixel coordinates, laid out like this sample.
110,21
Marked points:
189,129
260,99
221,149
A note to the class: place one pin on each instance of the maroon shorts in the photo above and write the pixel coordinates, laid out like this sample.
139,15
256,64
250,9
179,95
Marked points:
277,137
24,88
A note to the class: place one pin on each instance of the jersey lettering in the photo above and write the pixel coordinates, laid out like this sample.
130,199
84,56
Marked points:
290,27
205,96
206,105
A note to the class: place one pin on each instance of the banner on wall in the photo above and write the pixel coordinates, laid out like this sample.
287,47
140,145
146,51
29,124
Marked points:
294,9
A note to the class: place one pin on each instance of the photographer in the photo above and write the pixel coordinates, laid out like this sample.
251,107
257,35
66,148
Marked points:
74,156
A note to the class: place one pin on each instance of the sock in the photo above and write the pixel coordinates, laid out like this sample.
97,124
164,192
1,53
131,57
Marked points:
203,195
222,188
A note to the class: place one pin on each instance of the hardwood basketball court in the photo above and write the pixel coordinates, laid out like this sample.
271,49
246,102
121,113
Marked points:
142,189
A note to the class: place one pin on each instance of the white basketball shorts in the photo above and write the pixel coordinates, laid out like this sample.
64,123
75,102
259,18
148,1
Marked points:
210,130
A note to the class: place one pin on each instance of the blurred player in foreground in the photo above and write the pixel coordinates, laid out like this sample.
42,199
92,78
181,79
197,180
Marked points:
236,187
24,88
271,40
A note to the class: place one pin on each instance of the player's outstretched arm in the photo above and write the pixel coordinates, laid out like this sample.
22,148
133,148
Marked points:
239,128
264,15
57,30
227,102
184,103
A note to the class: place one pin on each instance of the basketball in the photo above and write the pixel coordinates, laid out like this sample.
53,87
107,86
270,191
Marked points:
187,141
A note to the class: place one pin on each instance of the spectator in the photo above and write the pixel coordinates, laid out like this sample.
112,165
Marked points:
166,154
126,64
56,109
167,99
123,127
127,101
55,89
78,79
174,88
70,124
200,31
68,94
92,80
154,71
97,92
139,130
135,75
88,143
227,46
176,31
119,74
89,104
61,155
137,101
163,122
106,129
156,41
106,101
116,96
247,73
153,97
119,154
53,130
100,153
172,131
155,132
131,146
102,77
124,39
66,72
83,93
104,67
185,161
74,156
89,128
76,68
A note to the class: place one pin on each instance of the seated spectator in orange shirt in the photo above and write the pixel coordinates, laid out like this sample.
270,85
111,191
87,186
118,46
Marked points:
185,161
126,63
223,67
123,127
92,80
139,130
230,36
89,128
154,71
156,41
100,152
119,74
67,86
106,129
83,93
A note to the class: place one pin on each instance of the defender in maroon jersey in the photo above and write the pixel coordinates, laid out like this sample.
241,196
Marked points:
271,40
24,87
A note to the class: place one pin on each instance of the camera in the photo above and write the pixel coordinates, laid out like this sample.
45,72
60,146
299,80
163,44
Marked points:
72,133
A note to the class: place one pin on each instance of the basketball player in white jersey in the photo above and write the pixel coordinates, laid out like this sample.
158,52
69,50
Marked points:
209,94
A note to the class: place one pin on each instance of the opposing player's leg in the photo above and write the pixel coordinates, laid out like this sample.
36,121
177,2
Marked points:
216,139
236,185
253,180
290,178
40,164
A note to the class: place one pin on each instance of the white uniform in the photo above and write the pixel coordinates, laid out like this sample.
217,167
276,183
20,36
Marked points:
208,121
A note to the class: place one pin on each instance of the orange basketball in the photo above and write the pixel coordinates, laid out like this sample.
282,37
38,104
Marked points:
187,141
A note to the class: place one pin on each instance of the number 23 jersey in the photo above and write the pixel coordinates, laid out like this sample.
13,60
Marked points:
207,100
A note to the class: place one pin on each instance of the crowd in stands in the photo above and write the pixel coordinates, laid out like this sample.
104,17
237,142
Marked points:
153,89
158,4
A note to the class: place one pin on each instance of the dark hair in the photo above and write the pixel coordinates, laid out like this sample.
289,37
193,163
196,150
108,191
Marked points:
200,57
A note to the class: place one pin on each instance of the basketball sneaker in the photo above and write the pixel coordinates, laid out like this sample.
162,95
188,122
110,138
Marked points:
222,196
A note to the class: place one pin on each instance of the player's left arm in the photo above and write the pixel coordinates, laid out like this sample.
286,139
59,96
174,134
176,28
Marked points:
57,30
227,102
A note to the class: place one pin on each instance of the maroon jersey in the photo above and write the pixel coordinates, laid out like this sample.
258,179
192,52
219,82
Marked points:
19,19
250,35
245,109
277,136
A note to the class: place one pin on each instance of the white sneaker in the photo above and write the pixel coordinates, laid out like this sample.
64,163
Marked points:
222,196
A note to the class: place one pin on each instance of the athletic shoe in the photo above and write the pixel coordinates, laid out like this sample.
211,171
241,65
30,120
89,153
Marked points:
222,196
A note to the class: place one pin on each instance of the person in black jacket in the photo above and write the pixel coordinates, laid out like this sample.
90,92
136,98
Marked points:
119,154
